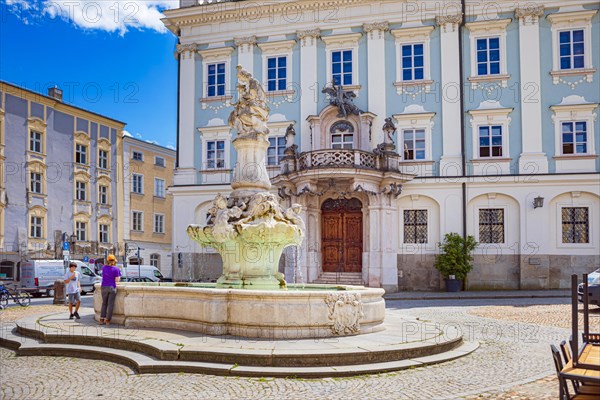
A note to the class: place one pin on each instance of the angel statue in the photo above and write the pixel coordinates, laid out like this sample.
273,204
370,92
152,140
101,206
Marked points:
343,100
251,112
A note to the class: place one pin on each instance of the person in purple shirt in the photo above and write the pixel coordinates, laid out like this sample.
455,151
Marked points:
110,276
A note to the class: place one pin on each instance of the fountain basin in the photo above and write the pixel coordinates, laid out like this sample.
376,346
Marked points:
308,311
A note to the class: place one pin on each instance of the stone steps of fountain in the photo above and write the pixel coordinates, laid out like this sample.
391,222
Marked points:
157,351
342,278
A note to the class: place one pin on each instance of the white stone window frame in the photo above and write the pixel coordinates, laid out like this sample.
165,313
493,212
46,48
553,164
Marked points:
85,230
141,185
417,35
576,201
79,190
574,108
157,164
107,194
418,120
482,30
491,116
156,180
162,223
100,232
212,133
283,48
216,56
569,21
506,208
134,153
141,221
347,41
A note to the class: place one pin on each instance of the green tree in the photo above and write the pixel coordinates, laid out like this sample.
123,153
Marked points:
455,256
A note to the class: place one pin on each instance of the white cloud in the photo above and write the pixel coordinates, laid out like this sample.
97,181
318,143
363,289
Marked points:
170,146
152,142
126,133
138,135
112,16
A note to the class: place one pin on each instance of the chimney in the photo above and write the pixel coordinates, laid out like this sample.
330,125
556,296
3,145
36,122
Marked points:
55,93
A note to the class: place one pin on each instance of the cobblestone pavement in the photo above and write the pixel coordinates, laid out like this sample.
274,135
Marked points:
513,362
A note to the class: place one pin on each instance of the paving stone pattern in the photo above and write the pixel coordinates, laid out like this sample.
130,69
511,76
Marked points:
513,362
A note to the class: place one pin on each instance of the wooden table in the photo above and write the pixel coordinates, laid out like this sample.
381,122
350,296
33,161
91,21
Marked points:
590,355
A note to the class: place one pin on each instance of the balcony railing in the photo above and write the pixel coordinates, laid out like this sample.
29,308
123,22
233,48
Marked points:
338,158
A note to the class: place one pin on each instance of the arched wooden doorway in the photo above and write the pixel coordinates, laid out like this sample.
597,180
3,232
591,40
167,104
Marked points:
341,239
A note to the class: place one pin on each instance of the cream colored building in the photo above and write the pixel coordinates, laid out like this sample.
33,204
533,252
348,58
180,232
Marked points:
147,207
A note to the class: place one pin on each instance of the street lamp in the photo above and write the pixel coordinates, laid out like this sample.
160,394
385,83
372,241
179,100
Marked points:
73,240
538,202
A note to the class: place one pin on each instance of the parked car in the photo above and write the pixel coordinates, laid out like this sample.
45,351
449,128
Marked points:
135,279
148,271
593,288
38,276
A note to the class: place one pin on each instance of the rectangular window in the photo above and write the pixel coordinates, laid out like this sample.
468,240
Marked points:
415,226
412,62
216,80
159,223
103,233
342,140
491,225
36,227
159,187
35,182
574,137
137,183
572,49
275,150
414,144
488,56
103,194
490,141
35,141
80,190
80,154
341,67
138,156
137,220
103,159
575,225
276,73
81,231
215,154
159,161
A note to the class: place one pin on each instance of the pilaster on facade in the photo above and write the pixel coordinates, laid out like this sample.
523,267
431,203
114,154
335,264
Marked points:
451,160
245,46
376,95
532,159
309,85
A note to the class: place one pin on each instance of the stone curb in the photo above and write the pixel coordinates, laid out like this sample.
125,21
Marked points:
475,295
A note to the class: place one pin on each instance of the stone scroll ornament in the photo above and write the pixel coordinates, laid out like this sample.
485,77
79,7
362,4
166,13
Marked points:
345,312
250,229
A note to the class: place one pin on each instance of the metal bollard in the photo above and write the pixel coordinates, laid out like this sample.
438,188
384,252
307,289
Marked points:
59,292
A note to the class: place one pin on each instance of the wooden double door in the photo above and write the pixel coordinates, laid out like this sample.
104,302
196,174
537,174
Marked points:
342,235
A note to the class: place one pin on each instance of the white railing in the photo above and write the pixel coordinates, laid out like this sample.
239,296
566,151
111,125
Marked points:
332,158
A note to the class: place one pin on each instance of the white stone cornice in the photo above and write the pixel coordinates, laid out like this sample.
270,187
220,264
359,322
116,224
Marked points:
569,18
338,41
409,34
283,46
449,23
245,44
187,50
308,37
216,54
530,14
488,26
376,30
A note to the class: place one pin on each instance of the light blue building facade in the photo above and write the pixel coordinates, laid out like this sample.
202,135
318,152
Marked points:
494,107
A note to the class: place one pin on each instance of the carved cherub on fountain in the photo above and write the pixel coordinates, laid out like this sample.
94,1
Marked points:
251,111
292,214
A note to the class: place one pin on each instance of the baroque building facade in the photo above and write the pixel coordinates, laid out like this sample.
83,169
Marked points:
147,207
480,120
61,178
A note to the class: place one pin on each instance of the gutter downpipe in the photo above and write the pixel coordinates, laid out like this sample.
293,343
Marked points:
462,118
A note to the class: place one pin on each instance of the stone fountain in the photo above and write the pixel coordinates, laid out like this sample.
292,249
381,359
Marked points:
250,229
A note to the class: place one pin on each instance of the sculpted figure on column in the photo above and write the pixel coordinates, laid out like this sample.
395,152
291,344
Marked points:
251,111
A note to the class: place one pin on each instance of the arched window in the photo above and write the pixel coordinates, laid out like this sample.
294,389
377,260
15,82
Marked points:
155,260
342,135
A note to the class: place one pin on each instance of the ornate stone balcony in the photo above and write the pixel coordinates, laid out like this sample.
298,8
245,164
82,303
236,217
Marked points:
338,158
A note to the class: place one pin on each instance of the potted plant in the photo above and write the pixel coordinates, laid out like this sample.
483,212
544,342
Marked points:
455,260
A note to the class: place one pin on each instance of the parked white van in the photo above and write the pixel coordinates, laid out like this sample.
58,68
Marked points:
149,271
38,276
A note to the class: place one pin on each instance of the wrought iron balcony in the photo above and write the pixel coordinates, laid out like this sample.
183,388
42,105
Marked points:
340,158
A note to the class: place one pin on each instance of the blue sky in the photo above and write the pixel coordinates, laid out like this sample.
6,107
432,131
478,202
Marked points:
112,57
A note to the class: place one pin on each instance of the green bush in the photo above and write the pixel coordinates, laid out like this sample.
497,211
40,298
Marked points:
455,256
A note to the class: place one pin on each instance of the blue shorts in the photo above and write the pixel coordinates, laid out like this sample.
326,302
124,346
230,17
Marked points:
74,297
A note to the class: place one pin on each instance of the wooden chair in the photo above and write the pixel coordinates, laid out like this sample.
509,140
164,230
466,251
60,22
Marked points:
562,382
591,338
578,387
